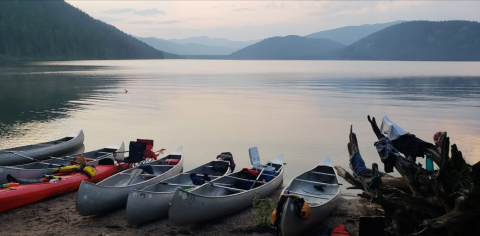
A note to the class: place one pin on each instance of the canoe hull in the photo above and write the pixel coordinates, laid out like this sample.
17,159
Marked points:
41,151
291,224
25,194
152,202
321,200
145,206
109,194
203,208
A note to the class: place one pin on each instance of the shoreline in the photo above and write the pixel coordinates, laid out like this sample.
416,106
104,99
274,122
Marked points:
57,215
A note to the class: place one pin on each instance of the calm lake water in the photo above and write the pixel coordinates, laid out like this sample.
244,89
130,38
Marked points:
302,109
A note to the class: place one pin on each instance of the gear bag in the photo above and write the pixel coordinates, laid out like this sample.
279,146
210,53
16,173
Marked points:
302,208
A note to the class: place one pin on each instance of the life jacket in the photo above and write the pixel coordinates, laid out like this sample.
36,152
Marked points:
249,173
172,161
339,230
90,171
302,208
82,160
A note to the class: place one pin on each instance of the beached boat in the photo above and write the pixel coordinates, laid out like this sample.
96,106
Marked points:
152,202
38,169
226,194
112,193
40,151
320,189
13,197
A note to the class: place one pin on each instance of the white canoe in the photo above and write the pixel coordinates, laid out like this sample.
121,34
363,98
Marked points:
112,193
40,151
152,202
321,201
208,202
37,169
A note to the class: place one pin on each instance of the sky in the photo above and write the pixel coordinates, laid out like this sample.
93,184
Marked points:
255,20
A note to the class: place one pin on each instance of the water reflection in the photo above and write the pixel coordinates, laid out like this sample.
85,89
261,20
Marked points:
40,93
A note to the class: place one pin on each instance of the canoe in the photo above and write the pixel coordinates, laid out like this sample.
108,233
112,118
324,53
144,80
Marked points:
37,169
112,193
14,197
208,201
322,200
41,151
152,202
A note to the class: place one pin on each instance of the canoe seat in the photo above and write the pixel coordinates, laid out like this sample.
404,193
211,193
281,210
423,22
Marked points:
313,182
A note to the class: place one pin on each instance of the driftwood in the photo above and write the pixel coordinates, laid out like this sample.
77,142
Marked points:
446,202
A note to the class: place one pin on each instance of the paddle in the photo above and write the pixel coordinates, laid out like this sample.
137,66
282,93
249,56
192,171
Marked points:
135,173
33,159
259,174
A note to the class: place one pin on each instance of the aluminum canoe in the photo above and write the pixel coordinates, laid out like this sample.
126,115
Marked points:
208,202
322,201
112,193
40,151
37,169
152,202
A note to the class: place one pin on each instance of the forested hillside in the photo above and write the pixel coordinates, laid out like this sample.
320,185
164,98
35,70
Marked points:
419,41
291,47
54,30
350,34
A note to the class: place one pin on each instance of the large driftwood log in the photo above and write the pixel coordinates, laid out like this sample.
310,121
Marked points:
444,203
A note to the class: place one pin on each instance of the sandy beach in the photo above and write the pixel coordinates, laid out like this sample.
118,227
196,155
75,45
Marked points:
57,216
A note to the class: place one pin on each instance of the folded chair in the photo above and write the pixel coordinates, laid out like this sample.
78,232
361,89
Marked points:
149,154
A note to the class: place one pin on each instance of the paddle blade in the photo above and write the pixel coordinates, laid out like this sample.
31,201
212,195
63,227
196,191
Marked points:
135,173
254,156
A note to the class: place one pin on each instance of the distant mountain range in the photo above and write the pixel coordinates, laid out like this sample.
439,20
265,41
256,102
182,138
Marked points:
350,34
55,30
197,45
187,48
291,47
407,41
419,41
204,40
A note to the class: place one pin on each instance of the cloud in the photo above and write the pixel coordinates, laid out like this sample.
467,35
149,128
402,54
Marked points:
143,22
169,22
244,9
273,5
149,22
147,12
119,11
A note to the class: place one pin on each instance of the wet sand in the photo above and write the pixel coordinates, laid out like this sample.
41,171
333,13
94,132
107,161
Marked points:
57,216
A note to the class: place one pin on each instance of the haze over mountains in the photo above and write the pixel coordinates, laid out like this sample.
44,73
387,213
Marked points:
54,30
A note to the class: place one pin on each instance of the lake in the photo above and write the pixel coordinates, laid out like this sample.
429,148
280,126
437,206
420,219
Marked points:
301,109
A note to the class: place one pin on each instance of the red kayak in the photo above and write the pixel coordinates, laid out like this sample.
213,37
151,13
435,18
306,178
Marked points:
13,197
